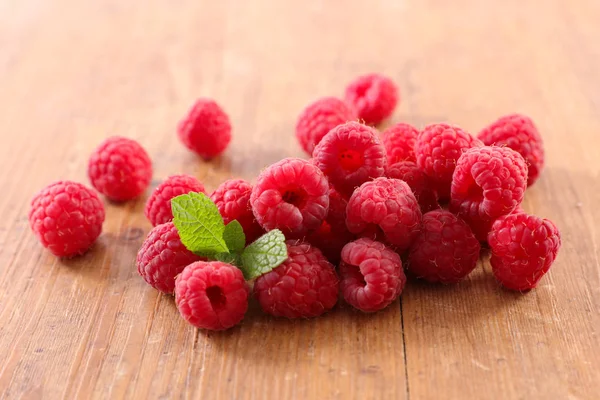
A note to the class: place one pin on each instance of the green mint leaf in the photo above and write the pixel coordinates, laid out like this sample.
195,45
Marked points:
229,258
199,224
265,254
234,237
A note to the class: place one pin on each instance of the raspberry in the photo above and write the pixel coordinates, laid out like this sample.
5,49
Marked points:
211,295
481,226
158,208
120,169
206,129
304,286
232,198
520,134
437,149
523,249
291,195
320,117
488,182
445,250
67,218
373,96
371,275
419,183
349,155
162,257
399,142
384,209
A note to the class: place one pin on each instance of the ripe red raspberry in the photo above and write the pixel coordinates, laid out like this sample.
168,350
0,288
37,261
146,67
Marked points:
488,182
158,207
520,134
206,129
291,195
419,183
120,169
320,117
304,286
373,96
481,226
437,149
67,218
523,249
371,275
211,295
162,257
399,142
385,209
349,155
232,198
445,250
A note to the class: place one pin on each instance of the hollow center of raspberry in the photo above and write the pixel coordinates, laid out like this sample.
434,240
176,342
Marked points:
217,297
354,271
475,192
350,160
294,196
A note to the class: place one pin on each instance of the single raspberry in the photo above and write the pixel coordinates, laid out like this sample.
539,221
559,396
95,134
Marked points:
520,134
419,183
488,182
349,155
385,209
523,249
211,295
206,129
399,142
158,208
120,169
304,286
162,257
445,250
291,195
232,198
371,275
373,96
318,118
67,218
437,149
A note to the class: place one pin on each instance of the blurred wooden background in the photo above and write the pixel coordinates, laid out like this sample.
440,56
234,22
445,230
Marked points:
74,72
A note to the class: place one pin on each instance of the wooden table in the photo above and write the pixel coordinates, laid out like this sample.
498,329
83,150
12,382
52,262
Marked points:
74,72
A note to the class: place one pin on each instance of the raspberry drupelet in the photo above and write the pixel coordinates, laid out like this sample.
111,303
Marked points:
158,207
373,97
67,218
291,195
349,155
371,275
304,286
120,169
420,184
399,142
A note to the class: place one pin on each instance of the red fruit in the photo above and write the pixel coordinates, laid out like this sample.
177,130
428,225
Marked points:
371,275
523,249
158,207
291,195
419,183
67,218
520,134
120,169
445,250
232,198
211,295
437,150
373,97
162,257
206,129
349,155
304,286
384,209
318,118
399,142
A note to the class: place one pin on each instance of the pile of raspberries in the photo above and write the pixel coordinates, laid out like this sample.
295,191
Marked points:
366,210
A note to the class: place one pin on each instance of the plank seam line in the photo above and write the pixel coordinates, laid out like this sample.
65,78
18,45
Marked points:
404,348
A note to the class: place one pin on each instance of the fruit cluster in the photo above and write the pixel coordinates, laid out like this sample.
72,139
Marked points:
363,212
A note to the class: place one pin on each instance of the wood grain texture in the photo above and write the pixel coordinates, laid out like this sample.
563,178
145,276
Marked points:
73,73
